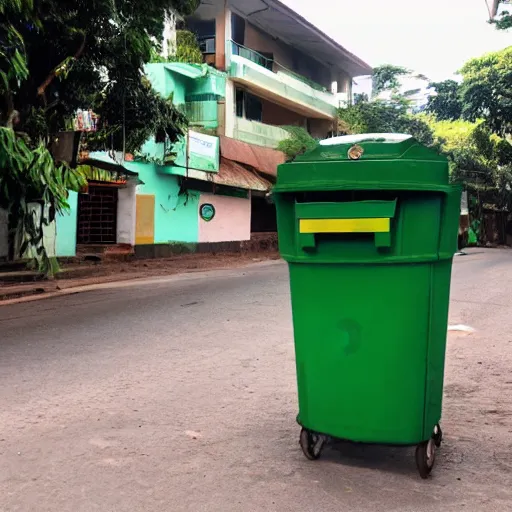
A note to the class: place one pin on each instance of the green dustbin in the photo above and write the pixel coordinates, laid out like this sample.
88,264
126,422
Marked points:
368,226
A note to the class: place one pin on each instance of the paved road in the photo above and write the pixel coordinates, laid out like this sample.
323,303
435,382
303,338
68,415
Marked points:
180,396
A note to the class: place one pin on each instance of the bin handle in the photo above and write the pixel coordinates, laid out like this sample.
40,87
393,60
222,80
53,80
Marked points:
346,217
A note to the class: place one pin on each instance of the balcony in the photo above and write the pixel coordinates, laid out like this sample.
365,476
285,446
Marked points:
258,133
282,86
202,113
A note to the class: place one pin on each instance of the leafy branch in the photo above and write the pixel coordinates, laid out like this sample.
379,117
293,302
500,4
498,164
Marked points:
298,142
29,176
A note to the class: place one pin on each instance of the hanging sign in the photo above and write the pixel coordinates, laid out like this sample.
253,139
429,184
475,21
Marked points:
203,152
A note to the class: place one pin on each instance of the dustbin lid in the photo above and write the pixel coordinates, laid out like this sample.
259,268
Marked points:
365,137
375,146
370,160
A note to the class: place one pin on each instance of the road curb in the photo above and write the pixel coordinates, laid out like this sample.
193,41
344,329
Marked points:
23,292
37,293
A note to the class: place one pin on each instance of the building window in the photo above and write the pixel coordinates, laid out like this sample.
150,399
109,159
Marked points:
239,103
248,106
207,45
97,215
205,32
253,108
237,29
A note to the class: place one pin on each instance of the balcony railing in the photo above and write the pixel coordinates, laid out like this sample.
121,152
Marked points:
202,113
304,80
272,65
258,133
252,55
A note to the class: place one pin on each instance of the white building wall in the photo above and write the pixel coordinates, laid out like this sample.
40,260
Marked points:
126,215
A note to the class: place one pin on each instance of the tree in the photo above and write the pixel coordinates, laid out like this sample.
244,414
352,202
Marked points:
298,143
92,55
360,98
481,161
187,50
446,103
390,116
502,21
386,78
486,90
56,57
28,174
384,117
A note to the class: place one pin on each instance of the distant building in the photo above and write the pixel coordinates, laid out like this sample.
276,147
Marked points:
281,69
415,89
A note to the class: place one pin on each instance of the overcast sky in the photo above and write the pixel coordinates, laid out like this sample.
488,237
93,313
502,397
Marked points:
434,38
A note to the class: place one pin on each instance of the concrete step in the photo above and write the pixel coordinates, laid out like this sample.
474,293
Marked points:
20,276
13,266
28,276
97,253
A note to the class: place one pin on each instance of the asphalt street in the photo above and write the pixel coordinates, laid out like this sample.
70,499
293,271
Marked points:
179,394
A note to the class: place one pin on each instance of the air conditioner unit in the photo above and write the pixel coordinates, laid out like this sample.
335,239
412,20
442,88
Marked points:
207,45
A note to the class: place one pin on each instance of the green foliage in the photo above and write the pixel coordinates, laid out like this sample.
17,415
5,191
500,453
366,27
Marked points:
384,117
187,48
28,176
503,21
159,117
481,161
298,143
446,103
91,55
451,135
470,123
486,90
13,64
386,78
360,98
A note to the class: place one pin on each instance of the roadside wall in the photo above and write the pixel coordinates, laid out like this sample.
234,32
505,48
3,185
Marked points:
232,220
175,214
66,225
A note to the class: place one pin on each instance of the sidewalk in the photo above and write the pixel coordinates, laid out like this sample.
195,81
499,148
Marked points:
89,273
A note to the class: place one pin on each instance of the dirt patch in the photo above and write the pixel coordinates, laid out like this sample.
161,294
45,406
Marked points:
178,263
261,242
86,273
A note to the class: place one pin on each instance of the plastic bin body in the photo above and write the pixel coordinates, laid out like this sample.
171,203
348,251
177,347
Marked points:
369,244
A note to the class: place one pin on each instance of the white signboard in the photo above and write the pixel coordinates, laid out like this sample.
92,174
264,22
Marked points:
203,151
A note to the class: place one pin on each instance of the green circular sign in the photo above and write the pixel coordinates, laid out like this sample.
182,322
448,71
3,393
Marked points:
207,212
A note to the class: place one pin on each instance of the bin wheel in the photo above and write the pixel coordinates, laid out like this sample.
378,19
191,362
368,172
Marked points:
311,443
437,436
425,457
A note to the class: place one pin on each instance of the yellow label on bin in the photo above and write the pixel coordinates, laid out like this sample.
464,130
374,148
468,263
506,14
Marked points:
344,225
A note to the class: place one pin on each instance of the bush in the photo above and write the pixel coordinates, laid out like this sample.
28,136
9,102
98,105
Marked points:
299,142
